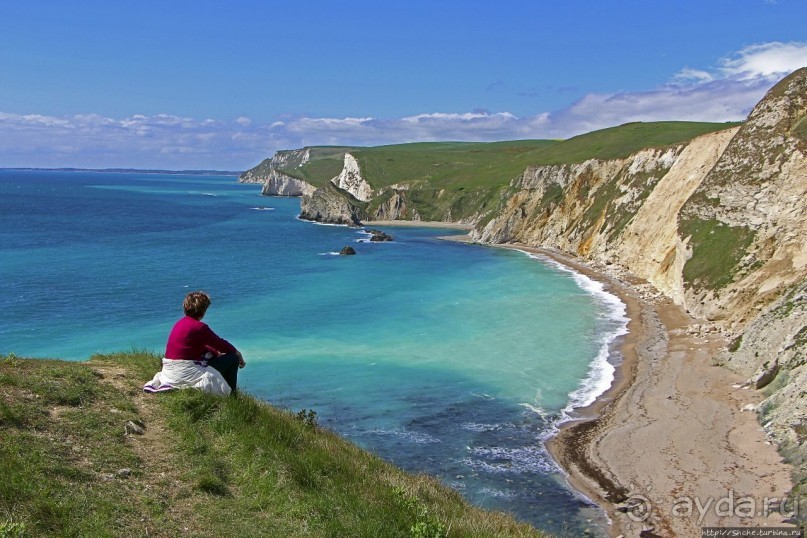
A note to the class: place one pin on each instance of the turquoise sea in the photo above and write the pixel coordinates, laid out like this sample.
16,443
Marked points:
445,358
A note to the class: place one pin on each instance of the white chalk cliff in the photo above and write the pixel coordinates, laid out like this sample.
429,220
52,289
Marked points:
275,182
351,180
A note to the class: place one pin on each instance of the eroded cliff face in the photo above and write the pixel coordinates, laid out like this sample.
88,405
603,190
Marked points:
275,182
331,205
280,184
754,200
351,180
719,225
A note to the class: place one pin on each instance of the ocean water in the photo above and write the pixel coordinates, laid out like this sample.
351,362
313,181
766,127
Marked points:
445,358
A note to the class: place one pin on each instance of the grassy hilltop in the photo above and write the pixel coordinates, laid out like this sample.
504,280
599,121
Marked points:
204,466
468,165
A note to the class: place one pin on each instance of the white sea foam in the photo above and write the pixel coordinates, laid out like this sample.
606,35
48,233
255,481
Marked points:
526,459
329,254
263,208
537,410
601,371
498,493
419,438
476,427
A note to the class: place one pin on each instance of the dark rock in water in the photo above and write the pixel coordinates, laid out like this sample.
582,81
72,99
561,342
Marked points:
347,251
378,235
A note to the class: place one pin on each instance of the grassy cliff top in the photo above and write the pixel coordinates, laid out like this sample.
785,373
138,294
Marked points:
204,466
625,140
451,165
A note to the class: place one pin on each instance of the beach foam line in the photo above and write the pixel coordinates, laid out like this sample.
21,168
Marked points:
602,369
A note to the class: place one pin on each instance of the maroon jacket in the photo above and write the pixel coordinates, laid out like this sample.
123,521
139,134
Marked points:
190,339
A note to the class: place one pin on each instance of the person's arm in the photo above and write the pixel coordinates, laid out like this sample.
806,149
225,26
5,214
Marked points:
214,342
221,346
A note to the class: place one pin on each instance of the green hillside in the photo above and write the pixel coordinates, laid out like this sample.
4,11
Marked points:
204,466
624,140
325,163
469,165
448,164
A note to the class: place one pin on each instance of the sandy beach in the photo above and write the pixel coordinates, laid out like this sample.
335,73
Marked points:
668,449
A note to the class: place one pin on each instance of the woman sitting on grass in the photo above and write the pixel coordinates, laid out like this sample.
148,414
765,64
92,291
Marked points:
195,356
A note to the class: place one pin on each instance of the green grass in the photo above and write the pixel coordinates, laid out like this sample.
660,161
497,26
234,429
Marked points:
800,129
325,163
448,165
716,252
624,140
207,466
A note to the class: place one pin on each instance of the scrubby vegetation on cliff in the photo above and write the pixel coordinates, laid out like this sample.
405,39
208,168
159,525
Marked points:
85,453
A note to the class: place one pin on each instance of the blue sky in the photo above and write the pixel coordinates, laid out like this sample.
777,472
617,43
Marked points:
203,84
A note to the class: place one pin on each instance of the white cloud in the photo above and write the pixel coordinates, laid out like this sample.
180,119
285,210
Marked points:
766,60
697,75
91,140
723,93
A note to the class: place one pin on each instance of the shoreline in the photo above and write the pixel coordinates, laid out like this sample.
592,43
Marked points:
670,431
565,446
419,224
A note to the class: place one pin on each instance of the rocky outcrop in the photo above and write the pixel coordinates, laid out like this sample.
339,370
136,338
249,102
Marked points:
279,184
392,204
347,251
331,205
753,203
275,182
379,236
350,180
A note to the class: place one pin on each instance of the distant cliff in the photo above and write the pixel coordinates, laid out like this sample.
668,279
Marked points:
275,182
332,205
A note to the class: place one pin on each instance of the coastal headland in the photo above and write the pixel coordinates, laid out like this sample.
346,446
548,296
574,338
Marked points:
699,229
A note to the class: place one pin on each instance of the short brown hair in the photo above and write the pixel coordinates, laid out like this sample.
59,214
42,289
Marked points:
196,304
